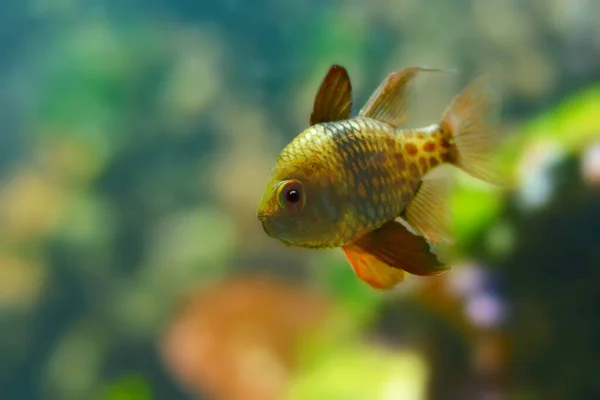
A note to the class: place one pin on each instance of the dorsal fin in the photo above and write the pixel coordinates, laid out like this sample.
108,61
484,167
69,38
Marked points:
388,103
334,98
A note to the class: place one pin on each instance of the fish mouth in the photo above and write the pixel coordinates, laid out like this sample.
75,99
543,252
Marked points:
268,227
266,221
272,228
266,213
276,231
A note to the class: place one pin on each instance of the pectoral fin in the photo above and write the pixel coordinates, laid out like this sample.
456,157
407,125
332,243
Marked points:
374,272
334,98
429,210
395,246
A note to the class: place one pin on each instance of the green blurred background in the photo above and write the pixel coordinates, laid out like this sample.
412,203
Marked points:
136,140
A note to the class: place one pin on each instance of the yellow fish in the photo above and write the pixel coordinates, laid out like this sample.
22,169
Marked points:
363,184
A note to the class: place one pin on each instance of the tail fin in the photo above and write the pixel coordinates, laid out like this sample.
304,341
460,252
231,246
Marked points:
471,122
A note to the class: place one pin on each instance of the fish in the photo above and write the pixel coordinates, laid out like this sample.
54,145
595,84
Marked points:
374,189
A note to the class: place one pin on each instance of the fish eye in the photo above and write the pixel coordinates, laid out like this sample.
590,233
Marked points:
291,195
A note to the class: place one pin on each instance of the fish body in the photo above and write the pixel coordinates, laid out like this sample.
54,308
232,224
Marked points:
361,183
367,172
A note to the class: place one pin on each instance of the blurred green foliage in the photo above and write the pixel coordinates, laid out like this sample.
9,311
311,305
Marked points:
363,372
128,388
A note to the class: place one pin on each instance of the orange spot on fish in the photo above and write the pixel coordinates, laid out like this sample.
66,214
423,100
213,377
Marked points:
420,136
411,148
423,162
414,170
444,128
446,157
429,147
400,161
433,162
445,143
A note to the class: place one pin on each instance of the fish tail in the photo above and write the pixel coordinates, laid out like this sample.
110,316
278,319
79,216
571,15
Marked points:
469,126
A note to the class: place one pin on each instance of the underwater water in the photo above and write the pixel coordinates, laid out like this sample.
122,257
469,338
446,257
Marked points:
136,141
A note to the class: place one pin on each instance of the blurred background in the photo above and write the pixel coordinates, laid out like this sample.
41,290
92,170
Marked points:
136,140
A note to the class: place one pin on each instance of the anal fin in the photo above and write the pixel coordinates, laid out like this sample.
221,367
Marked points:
395,246
371,270
428,212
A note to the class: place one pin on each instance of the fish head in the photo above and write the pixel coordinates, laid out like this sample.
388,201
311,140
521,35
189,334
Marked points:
296,207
